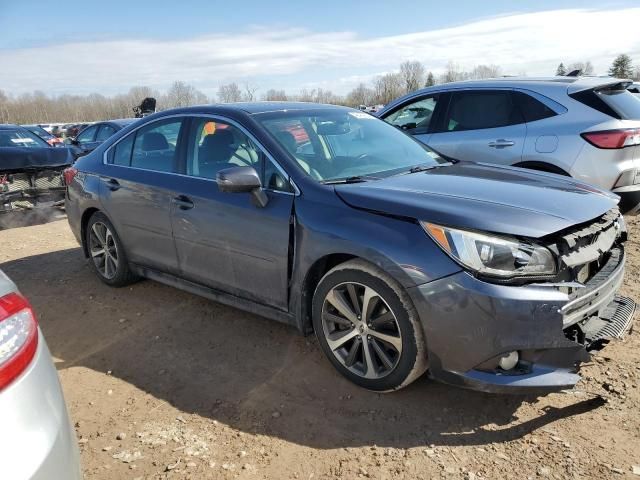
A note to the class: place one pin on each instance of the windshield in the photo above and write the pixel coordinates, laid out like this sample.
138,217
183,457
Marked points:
338,144
39,131
21,138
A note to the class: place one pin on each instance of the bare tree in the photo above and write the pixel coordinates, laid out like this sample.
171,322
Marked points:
181,94
387,87
453,73
361,95
413,75
249,94
229,93
273,95
483,71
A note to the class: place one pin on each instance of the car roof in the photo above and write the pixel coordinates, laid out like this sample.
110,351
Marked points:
253,108
9,126
573,84
121,122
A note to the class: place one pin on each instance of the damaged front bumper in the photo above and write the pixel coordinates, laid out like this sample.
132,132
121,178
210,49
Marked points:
30,189
470,325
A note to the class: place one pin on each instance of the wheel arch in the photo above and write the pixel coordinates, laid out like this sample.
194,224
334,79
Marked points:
542,167
84,221
314,273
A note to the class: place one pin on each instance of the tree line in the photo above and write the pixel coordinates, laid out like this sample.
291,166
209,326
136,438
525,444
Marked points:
38,107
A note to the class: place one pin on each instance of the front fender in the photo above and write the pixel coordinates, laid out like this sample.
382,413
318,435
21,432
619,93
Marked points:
398,246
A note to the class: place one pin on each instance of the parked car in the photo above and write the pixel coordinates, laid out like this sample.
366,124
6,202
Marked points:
36,438
44,135
93,135
584,127
494,278
30,170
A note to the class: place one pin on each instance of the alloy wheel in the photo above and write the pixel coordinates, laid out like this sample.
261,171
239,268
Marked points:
361,330
103,250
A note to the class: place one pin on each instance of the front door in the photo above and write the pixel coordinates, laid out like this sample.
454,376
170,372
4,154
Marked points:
224,240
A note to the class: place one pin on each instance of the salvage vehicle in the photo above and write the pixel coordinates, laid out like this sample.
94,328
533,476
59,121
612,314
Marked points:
37,441
400,260
584,127
30,170
44,135
94,134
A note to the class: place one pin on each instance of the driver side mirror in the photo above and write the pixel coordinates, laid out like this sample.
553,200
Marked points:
242,180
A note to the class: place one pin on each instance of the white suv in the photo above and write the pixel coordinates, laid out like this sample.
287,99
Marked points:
585,127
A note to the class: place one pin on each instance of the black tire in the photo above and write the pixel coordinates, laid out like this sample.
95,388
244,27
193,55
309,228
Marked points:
114,270
399,369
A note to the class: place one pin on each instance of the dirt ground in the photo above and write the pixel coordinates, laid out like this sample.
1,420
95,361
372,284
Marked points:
164,384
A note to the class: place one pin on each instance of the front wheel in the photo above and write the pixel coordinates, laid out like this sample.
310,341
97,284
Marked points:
368,327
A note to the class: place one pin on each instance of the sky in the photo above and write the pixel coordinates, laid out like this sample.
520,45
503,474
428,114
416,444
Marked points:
108,47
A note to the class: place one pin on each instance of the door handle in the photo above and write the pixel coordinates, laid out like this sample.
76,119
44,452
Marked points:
502,143
183,202
112,184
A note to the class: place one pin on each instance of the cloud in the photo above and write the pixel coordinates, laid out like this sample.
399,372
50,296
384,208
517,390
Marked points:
533,43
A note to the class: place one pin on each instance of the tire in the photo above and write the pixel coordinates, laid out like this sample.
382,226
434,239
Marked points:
390,331
112,266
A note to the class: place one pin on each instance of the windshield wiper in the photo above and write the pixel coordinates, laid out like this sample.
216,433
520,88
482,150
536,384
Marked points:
423,168
354,179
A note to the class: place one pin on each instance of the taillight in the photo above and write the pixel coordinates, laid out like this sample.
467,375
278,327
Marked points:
18,337
69,174
612,139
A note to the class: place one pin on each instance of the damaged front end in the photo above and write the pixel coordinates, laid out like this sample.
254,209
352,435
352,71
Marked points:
593,258
530,338
31,178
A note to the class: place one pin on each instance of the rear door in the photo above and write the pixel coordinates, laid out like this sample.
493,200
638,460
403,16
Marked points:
138,191
224,240
482,126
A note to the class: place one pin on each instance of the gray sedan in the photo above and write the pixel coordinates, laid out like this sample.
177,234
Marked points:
331,220
36,438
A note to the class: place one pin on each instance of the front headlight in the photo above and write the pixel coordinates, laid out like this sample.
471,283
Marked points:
493,255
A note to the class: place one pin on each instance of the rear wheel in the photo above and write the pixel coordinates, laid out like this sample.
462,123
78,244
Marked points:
368,327
106,253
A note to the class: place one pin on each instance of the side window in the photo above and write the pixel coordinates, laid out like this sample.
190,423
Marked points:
155,146
415,117
475,110
121,153
274,179
87,135
105,132
531,108
214,145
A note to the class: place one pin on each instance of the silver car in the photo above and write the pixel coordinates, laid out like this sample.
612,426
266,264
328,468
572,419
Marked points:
585,127
36,438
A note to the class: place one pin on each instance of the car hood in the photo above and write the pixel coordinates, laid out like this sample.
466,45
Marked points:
476,196
14,159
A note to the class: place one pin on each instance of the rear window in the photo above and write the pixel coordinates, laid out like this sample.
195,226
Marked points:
617,103
531,108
